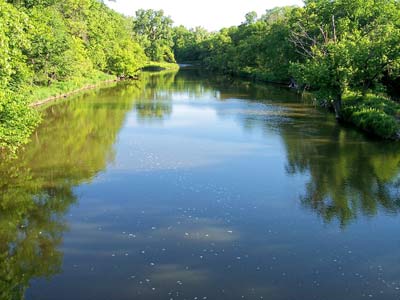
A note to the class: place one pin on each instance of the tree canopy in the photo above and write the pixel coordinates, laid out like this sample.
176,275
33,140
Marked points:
154,32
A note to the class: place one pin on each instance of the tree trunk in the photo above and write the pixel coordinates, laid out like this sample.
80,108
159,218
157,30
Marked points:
366,86
337,105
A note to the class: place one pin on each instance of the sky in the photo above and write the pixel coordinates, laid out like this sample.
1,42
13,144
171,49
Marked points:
210,14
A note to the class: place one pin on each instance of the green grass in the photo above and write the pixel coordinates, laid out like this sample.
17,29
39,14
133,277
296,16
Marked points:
58,88
160,66
38,93
373,113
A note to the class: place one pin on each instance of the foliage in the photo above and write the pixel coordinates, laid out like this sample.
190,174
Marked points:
160,66
373,114
329,47
188,43
16,120
258,48
54,46
154,32
346,44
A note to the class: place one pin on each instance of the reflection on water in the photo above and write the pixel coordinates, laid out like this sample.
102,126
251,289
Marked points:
73,145
185,186
348,177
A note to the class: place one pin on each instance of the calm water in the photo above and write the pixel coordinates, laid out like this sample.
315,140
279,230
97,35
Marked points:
186,187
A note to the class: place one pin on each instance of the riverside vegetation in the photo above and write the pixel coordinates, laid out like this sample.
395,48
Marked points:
346,52
49,47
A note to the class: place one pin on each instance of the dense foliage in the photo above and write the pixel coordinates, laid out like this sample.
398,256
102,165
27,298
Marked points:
53,45
347,45
259,47
154,32
331,47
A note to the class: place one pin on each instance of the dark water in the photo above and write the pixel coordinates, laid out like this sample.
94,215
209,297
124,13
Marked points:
182,187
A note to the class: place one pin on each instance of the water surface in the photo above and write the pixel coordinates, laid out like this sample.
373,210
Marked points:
182,186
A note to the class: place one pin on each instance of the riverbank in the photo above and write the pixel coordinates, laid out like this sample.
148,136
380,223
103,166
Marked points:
58,90
42,95
161,66
376,115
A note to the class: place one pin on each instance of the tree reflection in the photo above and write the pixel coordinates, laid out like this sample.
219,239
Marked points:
154,103
74,143
31,222
349,175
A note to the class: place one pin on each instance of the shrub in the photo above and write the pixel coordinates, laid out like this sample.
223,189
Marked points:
17,122
375,114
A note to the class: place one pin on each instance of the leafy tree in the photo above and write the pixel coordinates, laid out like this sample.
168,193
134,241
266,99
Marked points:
16,119
54,55
345,44
375,46
154,31
188,43
251,18
260,49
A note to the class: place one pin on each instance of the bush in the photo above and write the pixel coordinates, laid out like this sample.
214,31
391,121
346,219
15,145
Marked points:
374,114
17,122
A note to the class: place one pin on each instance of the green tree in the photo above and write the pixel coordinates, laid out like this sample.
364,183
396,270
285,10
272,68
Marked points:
154,32
188,43
17,121
345,44
55,55
258,48
251,18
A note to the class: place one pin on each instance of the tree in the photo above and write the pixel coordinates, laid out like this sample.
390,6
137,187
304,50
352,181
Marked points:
251,18
188,43
17,121
154,32
345,44
375,46
258,49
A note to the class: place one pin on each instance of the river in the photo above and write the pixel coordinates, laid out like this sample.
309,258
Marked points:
191,186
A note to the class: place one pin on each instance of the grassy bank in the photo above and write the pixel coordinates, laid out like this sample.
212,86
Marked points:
374,114
63,88
160,66
56,89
